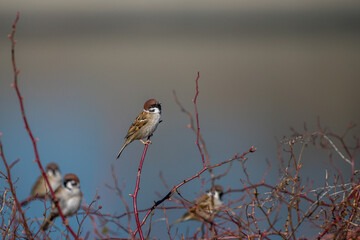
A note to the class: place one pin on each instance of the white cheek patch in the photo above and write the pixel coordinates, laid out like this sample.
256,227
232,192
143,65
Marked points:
69,185
154,110
214,194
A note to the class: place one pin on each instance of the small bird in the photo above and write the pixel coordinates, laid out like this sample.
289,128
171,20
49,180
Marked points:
205,207
145,124
69,197
40,188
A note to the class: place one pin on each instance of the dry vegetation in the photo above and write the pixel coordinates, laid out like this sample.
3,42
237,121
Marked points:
256,210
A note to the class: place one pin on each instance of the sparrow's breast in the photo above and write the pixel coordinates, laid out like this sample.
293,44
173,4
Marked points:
150,127
72,205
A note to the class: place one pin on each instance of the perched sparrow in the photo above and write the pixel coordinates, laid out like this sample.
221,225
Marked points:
145,124
69,197
205,207
40,188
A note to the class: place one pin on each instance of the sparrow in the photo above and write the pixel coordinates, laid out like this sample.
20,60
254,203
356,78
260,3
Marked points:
40,188
205,207
144,125
69,197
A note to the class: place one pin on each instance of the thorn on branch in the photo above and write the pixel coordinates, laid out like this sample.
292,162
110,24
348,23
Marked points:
15,162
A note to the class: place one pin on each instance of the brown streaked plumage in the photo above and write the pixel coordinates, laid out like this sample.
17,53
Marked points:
204,208
69,196
145,124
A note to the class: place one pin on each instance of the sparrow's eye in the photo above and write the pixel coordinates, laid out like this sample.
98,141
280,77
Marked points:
70,184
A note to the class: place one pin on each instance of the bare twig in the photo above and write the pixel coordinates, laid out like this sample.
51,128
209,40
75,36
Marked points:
120,193
137,188
174,189
87,211
12,189
337,150
27,126
197,121
3,200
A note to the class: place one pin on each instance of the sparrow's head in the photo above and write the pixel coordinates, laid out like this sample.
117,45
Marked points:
218,190
71,181
52,169
152,106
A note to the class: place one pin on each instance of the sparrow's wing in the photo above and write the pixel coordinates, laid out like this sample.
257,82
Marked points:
196,212
39,186
139,122
202,204
58,191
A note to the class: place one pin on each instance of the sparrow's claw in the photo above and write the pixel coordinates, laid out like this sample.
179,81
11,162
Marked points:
146,143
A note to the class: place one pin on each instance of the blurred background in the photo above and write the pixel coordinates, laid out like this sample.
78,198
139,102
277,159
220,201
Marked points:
87,67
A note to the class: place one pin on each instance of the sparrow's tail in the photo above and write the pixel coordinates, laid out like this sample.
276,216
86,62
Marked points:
174,223
122,149
24,202
47,222
184,218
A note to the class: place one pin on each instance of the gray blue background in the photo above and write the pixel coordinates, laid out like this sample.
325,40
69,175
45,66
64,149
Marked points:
87,67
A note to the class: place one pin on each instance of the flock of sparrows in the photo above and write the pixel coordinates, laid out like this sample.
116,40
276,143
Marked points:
67,192
69,195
